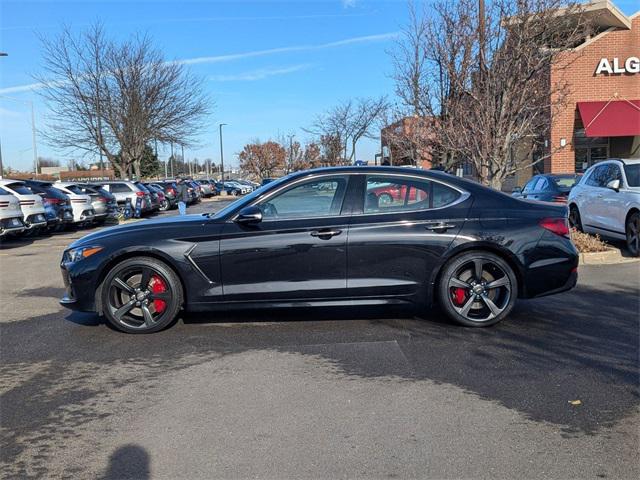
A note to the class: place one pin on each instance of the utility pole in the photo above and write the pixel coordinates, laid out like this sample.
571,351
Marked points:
2,54
290,167
221,152
171,160
33,138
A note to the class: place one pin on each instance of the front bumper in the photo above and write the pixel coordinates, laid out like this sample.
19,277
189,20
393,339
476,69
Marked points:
78,296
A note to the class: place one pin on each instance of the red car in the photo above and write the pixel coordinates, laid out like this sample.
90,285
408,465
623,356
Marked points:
389,193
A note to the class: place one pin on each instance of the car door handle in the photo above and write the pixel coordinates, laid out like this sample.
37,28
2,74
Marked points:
325,234
439,227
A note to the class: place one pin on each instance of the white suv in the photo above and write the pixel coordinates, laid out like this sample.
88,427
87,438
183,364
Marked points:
607,201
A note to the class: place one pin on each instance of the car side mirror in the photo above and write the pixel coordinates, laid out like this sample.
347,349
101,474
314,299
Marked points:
614,185
249,215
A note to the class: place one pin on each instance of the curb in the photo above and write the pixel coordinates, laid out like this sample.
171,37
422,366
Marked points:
608,257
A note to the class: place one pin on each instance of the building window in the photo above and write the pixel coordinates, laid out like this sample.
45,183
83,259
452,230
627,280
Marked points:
589,150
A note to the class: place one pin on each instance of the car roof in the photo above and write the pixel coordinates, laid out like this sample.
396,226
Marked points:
7,181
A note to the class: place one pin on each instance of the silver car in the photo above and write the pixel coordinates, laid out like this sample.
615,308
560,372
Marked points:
30,203
10,214
124,189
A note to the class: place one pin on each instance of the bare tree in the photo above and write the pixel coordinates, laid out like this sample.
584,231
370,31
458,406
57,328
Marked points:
349,122
484,82
113,98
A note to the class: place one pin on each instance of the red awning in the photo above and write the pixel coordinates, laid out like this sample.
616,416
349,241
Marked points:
619,118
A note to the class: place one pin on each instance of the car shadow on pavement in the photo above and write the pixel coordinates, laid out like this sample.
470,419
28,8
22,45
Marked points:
579,345
129,462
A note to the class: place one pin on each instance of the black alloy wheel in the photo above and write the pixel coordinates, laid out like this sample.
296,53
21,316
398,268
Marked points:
164,205
574,218
477,289
632,231
141,295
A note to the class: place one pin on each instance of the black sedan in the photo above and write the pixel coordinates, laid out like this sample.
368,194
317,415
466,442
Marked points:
324,238
548,188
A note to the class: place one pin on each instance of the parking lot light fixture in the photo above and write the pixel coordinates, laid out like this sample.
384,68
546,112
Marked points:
221,152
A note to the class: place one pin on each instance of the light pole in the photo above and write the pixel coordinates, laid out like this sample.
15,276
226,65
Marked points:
221,152
290,152
2,54
33,129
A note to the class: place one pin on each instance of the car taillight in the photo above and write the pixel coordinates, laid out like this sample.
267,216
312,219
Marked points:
103,199
560,199
172,191
53,201
139,194
559,226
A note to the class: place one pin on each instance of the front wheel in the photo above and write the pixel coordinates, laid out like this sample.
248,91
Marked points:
633,234
141,295
477,289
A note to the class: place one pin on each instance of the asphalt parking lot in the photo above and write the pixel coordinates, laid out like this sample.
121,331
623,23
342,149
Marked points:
383,393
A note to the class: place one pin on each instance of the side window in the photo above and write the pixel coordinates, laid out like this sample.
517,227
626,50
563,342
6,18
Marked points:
528,188
613,173
316,198
390,194
597,177
540,184
443,195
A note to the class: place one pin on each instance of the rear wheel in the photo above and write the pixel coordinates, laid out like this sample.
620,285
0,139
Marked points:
477,289
633,234
574,218
141,295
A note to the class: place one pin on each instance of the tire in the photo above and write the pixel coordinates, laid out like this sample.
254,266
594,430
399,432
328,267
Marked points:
133,307
474,303
574,218
632,231
385,199
164,206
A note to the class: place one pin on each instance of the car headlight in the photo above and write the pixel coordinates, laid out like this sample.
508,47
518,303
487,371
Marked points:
77,254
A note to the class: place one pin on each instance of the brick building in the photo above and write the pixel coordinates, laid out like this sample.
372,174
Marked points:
602,115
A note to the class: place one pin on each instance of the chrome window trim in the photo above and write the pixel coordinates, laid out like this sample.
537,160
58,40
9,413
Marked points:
464,195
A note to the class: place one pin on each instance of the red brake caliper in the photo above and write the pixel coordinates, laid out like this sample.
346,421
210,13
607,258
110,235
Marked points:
158,286
459,295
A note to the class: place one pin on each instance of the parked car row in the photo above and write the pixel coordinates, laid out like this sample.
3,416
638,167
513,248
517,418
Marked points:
605,200
30,206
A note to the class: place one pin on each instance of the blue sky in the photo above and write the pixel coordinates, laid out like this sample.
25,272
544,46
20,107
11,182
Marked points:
269,66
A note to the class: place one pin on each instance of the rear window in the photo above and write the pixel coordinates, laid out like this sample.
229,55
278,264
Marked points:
75,189
633,174
142,187
566,182
119,188
54,193
4,192
20,188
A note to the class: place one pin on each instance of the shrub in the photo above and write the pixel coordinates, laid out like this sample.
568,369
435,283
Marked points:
586,243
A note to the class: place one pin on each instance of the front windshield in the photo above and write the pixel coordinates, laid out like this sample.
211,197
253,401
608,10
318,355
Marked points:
632,173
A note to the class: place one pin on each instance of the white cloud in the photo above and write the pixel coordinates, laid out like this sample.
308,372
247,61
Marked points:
239,56
259,74
296,48
22,88
4,112
349,3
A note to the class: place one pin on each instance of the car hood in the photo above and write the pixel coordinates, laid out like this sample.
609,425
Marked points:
136,227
